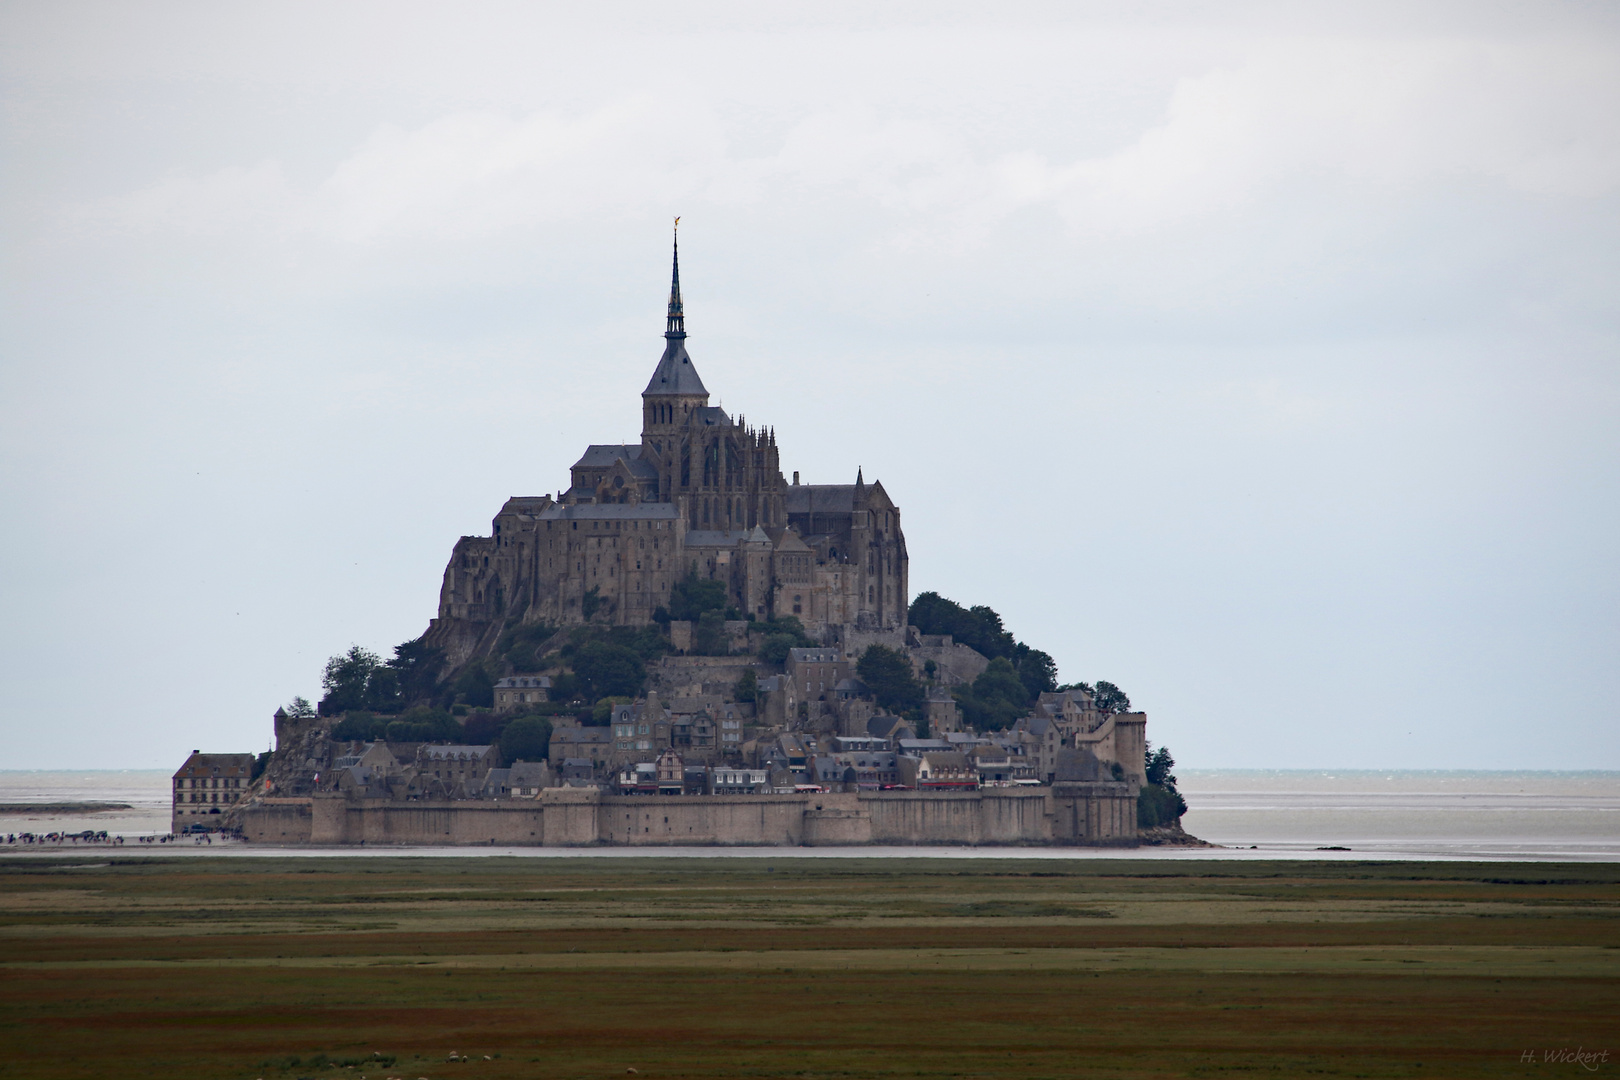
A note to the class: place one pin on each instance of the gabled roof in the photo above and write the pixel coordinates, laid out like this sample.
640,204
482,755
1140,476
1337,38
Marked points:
610,512
200,764
711,416
722,538
789,540
820,499
526,774
542,682
455,751
569,733
605,455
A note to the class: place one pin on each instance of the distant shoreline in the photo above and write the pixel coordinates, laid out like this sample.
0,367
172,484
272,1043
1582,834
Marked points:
62,807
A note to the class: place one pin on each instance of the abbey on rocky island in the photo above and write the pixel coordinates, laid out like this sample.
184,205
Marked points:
701,493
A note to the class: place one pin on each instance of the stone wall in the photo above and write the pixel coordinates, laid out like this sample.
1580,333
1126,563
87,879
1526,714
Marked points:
276,821
1090,814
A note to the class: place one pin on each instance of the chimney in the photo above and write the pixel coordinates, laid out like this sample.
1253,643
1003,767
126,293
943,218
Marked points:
795,477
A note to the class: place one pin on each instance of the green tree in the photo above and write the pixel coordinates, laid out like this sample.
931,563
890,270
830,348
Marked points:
608,670
566,687
519,646
345,678
995,699
1159,803
591,602
482,728
526,739
980,628
417,666
382,691
424,724
299,708
782,634
358,725
691,596
1111,699
1036,670
747,688
709,635
476,686
888,675
602,711
1157,766
774,649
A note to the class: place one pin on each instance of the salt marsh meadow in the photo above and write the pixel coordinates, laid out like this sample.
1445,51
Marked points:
383,967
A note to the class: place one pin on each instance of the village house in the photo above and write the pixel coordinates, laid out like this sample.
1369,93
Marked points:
457,771
517,691
816,673
733,780
206,786
593,744
938,770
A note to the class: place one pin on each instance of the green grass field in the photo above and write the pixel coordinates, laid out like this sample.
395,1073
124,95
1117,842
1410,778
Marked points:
580,967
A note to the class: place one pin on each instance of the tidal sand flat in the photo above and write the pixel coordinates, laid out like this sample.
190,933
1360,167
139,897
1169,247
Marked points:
586,967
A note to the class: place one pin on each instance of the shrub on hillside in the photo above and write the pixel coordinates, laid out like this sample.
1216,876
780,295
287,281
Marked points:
526,739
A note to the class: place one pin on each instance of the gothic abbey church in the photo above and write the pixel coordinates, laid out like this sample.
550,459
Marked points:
700,493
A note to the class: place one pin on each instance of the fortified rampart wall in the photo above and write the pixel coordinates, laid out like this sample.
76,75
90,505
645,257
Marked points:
1089,814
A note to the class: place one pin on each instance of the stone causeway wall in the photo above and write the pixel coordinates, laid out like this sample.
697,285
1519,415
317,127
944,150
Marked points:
1099,814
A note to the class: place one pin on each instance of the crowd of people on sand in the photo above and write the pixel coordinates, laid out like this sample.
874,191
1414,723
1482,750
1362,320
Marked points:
91,837
88,836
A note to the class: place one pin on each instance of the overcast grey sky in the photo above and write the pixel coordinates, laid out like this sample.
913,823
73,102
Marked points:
1261,359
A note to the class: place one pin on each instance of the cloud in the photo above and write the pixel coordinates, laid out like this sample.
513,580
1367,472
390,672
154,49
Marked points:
1352,122
1310,167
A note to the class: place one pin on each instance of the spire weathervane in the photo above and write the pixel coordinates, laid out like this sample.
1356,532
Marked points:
676,326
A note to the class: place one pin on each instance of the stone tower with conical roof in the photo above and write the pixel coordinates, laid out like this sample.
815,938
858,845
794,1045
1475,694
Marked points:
675,388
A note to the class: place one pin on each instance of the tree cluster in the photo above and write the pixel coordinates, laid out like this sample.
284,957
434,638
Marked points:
1159,802
520,647
419,724
980,629
360,679
526,738
782,634
1018,673
994,700
692,597
1105,696
888,675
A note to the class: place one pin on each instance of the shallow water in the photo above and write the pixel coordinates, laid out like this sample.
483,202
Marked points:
1479,814
1254,813
145,790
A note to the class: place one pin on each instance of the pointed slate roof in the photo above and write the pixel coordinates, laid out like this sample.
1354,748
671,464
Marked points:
675,374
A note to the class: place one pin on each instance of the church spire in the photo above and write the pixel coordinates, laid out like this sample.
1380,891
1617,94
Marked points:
675,376
676,326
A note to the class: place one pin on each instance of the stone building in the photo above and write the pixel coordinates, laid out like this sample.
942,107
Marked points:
701,492
517,691
207,785
456,771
